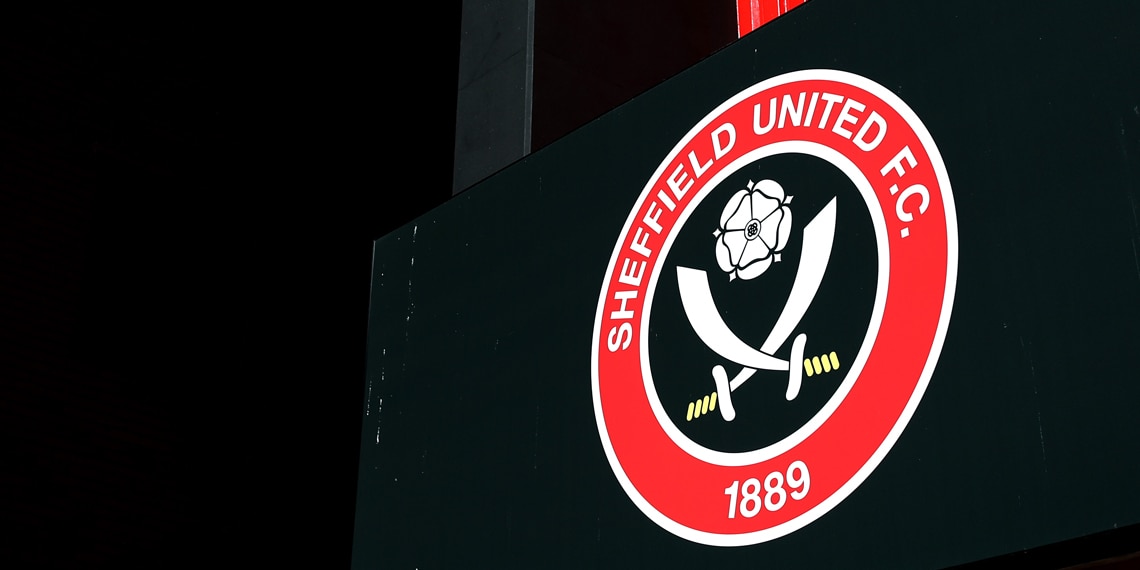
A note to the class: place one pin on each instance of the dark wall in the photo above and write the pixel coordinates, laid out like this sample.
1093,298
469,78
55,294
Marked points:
531,72
188,201
480,440
593,56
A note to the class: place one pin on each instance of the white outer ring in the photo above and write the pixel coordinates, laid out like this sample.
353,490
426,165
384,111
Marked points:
716,539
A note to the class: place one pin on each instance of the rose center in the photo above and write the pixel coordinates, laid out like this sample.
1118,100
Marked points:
752,230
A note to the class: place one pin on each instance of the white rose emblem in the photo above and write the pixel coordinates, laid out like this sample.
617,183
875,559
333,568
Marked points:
754,228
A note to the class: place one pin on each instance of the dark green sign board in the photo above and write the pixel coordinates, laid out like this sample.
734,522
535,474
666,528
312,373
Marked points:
860,290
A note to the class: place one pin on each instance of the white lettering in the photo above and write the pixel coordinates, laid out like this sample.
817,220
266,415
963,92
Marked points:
676,180
917,189
623,312
788,111
756,127
896,162
719,149
861,138
845,116
638,243
651,218
698,168
747,495
811,108
627,274
620,337
831,99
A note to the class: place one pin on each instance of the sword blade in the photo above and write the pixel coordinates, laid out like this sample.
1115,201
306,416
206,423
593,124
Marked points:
696,298
819,234
711,328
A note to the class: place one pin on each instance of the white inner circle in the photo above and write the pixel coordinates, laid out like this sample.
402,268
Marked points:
752,230
878,222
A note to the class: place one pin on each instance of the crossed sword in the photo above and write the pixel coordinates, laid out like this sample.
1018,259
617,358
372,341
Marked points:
819,234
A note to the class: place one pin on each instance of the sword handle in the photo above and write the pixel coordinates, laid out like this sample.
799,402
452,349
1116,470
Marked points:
701,406
813,366
823,363
794,376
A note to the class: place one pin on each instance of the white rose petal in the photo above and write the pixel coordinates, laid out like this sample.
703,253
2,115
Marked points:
763,206
755,269
724,255
771,189
753,251
740,219
764,202
785,228
731,207
770,227
735,241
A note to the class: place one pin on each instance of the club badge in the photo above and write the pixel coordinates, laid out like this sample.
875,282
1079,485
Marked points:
774,308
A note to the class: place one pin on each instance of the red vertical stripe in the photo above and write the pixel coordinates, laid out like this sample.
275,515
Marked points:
751,14
743,17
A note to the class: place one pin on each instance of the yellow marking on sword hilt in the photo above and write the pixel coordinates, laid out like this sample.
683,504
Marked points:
701,406
823,363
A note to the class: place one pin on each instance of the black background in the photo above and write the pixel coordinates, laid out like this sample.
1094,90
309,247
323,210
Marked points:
188,200
187,203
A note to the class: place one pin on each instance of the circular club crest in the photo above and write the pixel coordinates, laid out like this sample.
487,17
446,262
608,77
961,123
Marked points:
774,308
